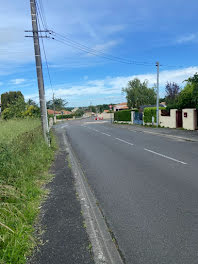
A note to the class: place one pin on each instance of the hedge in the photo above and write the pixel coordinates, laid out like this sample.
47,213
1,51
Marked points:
124,115
149,112
64,116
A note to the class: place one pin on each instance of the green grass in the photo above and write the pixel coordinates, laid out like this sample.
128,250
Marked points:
24,163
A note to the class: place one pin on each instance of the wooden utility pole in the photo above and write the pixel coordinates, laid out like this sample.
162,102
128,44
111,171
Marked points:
44,119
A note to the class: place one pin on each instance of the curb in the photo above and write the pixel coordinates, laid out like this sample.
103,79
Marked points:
103,247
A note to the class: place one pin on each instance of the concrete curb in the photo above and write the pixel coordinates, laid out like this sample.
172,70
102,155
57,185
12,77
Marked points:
103,247
168,135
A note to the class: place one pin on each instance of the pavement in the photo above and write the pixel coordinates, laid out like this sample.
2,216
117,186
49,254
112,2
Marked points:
64,236
167,132
146,185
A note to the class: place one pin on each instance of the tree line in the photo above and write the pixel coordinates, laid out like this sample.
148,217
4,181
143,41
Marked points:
138,93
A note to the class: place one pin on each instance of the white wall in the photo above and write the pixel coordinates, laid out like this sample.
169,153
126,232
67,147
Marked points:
189,122
168,121
106,115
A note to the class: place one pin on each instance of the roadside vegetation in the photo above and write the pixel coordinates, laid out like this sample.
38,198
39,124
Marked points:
25,160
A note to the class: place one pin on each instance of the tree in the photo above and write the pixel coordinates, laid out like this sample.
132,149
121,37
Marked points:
185,99
172,93
32,111
102,107
31,102
193,82
79,112
9,98
138,93
92,108
15,110
59,103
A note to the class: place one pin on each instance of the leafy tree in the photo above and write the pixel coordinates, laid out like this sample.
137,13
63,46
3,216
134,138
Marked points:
60,104
9,98
92,108
102,107
79,112
138,93
31,102
32,111
162,100
185,99
193,82
172,94
15,110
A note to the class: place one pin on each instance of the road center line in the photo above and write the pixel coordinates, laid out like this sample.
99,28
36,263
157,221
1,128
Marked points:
125,141
164,156
106,134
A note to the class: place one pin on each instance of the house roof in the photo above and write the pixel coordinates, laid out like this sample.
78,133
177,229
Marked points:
51,112
121,106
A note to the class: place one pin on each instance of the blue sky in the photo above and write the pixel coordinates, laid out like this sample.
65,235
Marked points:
140,30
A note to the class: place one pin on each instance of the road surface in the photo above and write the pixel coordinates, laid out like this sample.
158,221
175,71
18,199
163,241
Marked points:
147,187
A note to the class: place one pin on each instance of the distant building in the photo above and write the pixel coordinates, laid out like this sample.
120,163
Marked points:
88,114
163,103
75,109
62,112
122,106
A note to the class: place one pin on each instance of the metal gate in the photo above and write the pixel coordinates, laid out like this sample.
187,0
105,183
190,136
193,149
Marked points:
179,122
137,118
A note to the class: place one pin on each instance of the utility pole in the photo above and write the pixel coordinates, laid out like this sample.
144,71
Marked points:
44,119
157,103
54,105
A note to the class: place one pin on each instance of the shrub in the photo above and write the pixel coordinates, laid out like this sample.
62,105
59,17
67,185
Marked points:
32,111
124,115
149,112
64,116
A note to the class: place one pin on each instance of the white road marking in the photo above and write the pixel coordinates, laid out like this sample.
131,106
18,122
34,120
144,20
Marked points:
105,134
125,141
164,156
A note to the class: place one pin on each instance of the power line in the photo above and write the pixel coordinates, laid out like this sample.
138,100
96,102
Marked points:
69,42
97,53
46,61
43,12
90,50
40,14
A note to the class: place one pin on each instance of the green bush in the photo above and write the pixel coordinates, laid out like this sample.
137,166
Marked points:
149,112
64,116
24,162
124,115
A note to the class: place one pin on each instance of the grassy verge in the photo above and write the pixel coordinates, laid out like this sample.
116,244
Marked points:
24,163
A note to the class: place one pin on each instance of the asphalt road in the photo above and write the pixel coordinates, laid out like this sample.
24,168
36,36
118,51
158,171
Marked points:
147,187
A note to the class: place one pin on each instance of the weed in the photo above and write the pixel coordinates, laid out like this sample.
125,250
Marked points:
25,159
84,224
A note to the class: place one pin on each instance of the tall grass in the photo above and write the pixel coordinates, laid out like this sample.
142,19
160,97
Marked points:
24,162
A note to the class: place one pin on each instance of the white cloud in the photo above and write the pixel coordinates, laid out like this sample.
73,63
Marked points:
17,81
187,38
111,87
106,46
